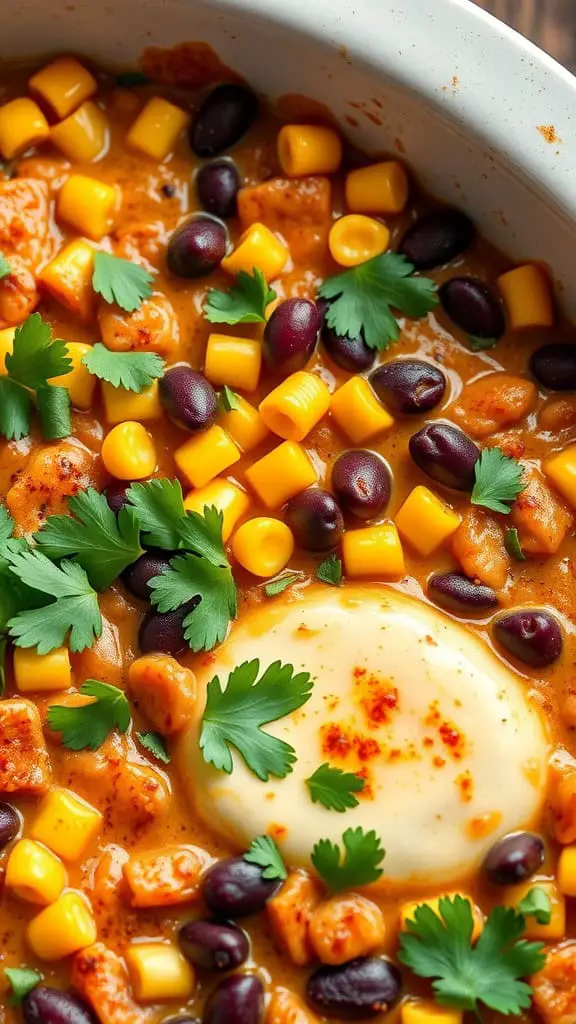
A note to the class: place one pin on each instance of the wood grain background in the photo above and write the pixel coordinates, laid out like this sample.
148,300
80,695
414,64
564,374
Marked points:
550,23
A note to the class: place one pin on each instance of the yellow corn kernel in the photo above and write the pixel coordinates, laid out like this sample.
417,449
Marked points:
88,205
68,277
257,247
233,361
128,452
263,546
6,347
158,972
566,871
308,149
528,296
293,408
63,85
561,470
206,455
374,551
79,382
121,405
83,136
419,1011
34,873
379,188
407,911
157,128
244,424
229,499
354,239
358,412
282,473
63,928
426,521
35,672
556,929
22,125
66,824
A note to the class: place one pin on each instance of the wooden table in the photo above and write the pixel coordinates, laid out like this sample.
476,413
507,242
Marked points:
550,23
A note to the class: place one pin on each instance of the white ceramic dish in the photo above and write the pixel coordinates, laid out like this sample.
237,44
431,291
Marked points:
468,101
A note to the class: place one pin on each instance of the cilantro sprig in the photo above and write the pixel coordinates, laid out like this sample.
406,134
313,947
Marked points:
513,545
330,571
245,303
134,371
154,743
536,904
189,577
362,299
235,713
499,481
334,788
439,946
34,360
281,584
102,543
120,281
228,400
165,523
265,853
22,981
363,854
87,727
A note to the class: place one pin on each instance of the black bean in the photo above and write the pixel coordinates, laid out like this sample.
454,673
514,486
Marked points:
409,386
514,858
457,593
352,354
235,888
446,454
214,945
357,990
224,117
136,577
162,632
554,367
116,494
473,306
290,334
238,999
9,824
217,184
437,238
362,483
188,398
315,519
196,247
45,1005
532,635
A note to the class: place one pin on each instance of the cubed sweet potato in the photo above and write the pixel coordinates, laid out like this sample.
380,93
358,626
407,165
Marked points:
162,878
101,978
478,545
542,520
287,1008
18,294
299,209
290,911
24,761
493,402
24,221
555,986
164,691
53,474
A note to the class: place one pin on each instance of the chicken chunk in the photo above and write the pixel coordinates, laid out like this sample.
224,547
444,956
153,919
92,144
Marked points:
139,795
562,802
290,912
163,878
478,545
555,986
300,210
345,927
153,327
541,519
164,691
18,294
24,762
287,1008
142,242
101,978
53,474
24,221
493,402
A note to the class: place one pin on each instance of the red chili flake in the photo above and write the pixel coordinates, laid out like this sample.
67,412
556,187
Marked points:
359,672
428,741
394,754
379,705
452,738
366,749
439,762
336,741
466,786
278,831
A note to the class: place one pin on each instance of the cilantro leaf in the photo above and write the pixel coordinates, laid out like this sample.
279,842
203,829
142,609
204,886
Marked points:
362,855
133,371
481,344
121,281
88,726
439,946
188,577
159,506
498,481
264,852
234,716
5,268
15,410
54,410
228,400
364,296
74,611
131,79
245,303
334,788
513,545
154,743
278,586
35,357
22,981
102,543
330,570
536,904
202,534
